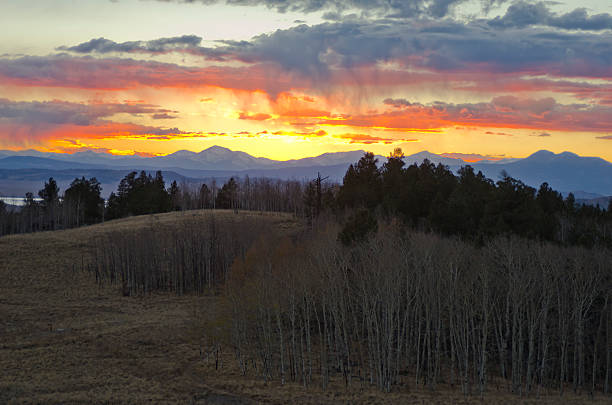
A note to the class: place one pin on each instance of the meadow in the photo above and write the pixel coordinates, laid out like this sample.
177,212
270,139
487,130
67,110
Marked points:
68,338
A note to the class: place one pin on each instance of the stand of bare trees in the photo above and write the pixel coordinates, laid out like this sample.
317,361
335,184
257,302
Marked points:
416,309
191,256
397,309
253,194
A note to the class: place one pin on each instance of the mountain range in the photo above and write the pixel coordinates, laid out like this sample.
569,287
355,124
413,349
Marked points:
587,177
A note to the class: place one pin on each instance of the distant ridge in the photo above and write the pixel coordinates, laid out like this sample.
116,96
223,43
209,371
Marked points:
565,172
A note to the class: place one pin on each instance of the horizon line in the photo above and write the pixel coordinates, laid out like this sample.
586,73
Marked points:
471,156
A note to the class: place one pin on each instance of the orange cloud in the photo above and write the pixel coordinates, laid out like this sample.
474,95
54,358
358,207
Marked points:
319,133
71,146
254,116
13,135
120,74
369,139
501,112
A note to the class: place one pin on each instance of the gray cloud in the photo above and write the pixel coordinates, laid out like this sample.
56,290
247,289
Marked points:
318,53
64,112
160,133
432,45
544,114
440,8
157,46
578,19
321,47
399,102
524,14
22,123
124,73
163,116
375,8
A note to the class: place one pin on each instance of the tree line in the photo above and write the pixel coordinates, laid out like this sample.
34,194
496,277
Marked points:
80,204
425,197
469,205
143,193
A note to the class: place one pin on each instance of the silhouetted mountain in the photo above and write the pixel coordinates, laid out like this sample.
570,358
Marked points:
602,202
565,172
213,158
432,157
31,162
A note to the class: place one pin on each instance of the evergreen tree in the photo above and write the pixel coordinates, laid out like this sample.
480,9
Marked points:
466,204
50,203
362,184
392,175
138,195
512,209
83,199
175,196
228,195
550,204
31,211
204,197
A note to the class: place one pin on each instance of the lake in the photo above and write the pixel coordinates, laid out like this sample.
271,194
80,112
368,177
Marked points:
18,201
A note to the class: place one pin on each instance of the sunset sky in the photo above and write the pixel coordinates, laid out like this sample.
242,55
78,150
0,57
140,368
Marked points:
290,79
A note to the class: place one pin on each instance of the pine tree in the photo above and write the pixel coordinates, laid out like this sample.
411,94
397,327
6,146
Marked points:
50,203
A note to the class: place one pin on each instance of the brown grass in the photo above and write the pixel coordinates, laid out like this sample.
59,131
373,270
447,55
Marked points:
64,339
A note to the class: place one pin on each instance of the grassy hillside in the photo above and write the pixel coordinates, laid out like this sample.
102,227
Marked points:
65,339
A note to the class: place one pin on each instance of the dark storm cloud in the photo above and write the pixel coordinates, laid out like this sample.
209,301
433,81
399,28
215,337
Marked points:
524,14
321,47
438,46
578,19
64,112
161,45
527,39
319,53
22,123
378,8
65,71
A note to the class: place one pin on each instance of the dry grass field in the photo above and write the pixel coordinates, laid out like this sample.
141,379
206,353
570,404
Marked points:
66,340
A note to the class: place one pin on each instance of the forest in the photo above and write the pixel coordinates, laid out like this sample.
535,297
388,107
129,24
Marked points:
400,277
142,193
424,197
399,308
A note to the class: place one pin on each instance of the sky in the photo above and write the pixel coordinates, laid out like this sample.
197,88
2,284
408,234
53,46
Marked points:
290,79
